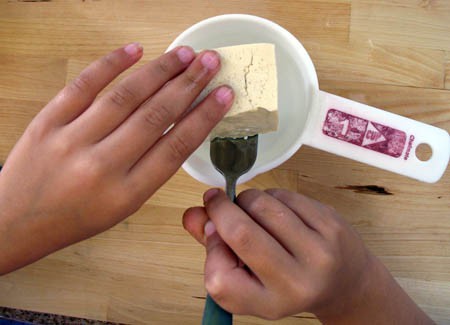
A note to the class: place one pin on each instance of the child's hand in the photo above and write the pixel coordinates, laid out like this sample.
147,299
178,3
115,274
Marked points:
86,163
299,255
300,252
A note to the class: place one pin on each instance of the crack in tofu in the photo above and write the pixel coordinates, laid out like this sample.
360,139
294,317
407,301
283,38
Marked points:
250,69
246,72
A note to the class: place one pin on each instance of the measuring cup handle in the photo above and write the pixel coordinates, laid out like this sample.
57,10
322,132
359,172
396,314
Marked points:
378,138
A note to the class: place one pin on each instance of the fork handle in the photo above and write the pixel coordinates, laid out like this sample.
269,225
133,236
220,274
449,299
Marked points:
230,187
213,314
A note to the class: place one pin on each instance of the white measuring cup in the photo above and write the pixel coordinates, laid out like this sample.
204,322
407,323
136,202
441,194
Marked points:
314,117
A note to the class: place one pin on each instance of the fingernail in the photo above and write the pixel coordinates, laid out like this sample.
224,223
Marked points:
209,194
210,228
185,54
224,95
210,60
133,49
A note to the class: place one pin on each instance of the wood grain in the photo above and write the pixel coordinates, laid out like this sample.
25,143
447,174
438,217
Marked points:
15,115
73,28
374,62
394,55
447,70
421,23
31,77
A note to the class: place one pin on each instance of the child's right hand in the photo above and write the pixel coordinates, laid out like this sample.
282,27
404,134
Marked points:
299,255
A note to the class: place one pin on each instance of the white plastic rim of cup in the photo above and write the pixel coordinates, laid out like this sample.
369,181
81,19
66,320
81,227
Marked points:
313,117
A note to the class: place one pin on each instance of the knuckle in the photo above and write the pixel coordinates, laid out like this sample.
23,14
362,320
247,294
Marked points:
108,61
87,171
37,130
275,192
241,237
81,84
218,206
258,204
215,285
191,81
179,148
157,115
163,66
60,147
326,260
248,195
121,96
336,230
209,115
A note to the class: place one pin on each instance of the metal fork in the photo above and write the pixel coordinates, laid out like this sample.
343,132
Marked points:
232,158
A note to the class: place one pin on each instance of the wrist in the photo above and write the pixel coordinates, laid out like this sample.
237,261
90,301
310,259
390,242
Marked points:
16,233
378,298
368,290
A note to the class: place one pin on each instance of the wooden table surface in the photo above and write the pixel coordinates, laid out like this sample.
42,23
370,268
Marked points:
392,54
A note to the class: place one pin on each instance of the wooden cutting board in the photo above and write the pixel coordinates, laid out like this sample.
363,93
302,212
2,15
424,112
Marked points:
391,54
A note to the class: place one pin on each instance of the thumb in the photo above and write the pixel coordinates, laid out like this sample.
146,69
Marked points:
194,220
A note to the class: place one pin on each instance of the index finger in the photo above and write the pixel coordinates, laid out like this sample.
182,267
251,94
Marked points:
249,241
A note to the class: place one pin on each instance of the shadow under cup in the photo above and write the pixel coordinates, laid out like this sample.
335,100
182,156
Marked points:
297,88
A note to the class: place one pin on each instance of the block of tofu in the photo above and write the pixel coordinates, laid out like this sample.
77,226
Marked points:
250,69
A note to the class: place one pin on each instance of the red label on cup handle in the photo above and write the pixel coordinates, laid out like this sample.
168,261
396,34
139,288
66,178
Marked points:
366,134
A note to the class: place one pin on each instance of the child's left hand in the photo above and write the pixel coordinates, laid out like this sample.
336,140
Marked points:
86,163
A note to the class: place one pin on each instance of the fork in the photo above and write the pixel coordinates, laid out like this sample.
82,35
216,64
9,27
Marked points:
232,157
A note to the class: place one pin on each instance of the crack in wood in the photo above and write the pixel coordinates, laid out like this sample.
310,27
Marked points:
199,297
32,1
366,189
